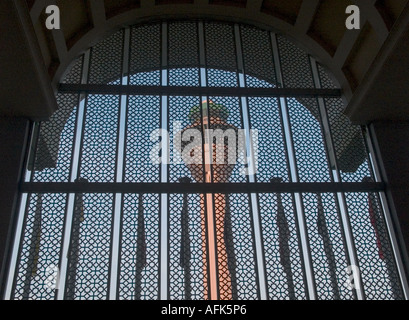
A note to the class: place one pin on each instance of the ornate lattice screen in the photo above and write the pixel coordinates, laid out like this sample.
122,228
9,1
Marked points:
110,208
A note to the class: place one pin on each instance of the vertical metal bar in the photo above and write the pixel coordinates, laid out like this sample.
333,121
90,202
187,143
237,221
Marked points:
34,247
126,56
389,214
121,224
208,199
323,231
294,177
202,55
35,132
258,243
141,254
115,258
284,114
283,239
119,171
74,245
23,205
80,121
21,241
212,262
74,175
330,150
80,97
347,243
164,217
18,238
123,111
75,137
76,157
185,246
309,271
209,207
371,143
115,244
66,246
383,243
239,56
397,253
164,272
255,217
345,223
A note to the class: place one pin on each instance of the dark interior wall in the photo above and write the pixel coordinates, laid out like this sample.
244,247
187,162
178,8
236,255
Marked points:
13,140
392,139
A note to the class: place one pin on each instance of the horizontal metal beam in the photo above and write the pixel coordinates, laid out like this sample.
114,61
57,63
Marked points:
181,188
197,91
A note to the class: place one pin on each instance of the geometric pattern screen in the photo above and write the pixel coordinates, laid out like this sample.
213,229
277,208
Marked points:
202,160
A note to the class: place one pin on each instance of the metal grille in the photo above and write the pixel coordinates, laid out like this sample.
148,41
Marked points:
74,72
378,272
239,239
258,58
139,254
143,117
55,143
111,209
100,136
89,247
179,108
327,245
295,65
265,117
282,247
349,144
183,51
106,60
235,121
220,54
312,164
145,55
326,81
40,248
187,254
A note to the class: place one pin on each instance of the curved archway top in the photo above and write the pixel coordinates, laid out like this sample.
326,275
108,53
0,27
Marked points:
216,47
317,25
188,55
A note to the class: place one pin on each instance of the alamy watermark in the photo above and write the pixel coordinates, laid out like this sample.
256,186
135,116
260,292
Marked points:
52,274
354,278
210,146
352,22
53,20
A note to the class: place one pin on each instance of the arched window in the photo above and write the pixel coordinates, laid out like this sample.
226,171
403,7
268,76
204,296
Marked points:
111,207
